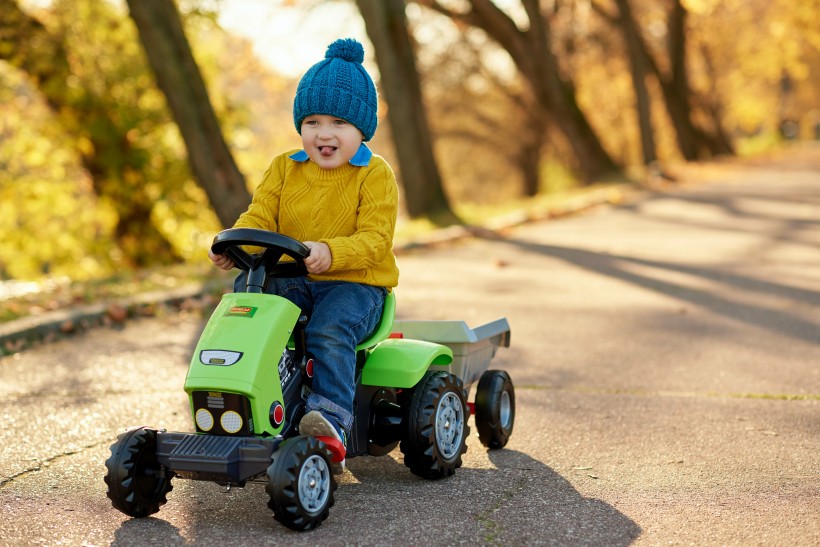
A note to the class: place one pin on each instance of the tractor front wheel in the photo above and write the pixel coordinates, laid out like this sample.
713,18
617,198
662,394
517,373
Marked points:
301,484
137,483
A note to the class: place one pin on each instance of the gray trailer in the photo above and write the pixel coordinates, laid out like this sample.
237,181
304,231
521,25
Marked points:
473,349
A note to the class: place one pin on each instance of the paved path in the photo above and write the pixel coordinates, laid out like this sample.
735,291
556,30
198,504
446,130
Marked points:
665,355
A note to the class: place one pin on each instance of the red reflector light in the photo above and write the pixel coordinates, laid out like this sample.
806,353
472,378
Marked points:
396,335
277,416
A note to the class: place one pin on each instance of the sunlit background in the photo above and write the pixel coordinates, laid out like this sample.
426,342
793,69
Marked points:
752,65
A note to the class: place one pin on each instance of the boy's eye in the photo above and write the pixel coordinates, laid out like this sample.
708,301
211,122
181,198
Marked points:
340,122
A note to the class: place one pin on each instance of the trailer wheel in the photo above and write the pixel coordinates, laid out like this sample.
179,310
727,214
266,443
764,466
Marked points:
436,427
494,408
301,484
137,483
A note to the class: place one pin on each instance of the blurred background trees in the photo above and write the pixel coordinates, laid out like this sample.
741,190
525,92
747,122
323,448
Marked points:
482,102
178,76
386,24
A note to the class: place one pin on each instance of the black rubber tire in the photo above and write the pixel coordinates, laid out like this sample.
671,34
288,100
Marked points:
301,483
431,449
494,408
137,484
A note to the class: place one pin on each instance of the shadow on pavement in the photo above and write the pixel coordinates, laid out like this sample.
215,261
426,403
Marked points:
779,227
618,267
148,531
546,508
521,501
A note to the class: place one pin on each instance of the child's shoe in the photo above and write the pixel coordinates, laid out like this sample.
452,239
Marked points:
314,424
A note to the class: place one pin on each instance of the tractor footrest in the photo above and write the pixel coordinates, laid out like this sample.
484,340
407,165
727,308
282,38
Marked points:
214,457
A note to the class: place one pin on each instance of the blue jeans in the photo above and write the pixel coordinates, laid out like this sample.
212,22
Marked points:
342,314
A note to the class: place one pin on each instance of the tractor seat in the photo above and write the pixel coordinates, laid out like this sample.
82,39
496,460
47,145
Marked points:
385,326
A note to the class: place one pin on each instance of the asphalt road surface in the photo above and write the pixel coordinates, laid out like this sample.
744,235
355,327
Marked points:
666,359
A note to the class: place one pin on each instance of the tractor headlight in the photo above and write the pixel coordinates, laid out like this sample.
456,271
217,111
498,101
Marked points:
204,419
219,357
231,421
222,413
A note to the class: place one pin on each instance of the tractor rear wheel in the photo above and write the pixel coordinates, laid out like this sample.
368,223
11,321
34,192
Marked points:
436,426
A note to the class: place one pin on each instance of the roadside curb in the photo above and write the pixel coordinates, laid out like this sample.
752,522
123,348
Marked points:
50,326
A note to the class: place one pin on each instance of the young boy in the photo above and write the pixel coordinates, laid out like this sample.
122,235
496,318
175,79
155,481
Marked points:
341,200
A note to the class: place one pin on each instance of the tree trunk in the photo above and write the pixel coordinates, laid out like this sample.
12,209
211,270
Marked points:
179,78
533,136
721,142
693,143
532,53
387,28
676,86
529,161
110,160
638,71
558,97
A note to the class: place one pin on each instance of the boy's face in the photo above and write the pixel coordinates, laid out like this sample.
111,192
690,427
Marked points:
330,141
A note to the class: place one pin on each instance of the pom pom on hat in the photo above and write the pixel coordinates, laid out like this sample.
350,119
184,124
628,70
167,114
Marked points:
346,49
339,86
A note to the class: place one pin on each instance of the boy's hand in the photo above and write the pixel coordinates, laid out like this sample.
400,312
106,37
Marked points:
221,261
319,259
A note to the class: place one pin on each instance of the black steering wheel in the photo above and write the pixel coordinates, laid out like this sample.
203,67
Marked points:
268,263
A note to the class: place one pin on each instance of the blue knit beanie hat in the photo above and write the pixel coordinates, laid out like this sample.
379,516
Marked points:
339,86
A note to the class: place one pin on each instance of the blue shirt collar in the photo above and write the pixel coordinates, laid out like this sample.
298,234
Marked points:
360,159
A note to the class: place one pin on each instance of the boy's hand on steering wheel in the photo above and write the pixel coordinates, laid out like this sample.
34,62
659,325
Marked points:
319,259
221,261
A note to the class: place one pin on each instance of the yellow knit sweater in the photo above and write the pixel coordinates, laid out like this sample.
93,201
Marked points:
351,209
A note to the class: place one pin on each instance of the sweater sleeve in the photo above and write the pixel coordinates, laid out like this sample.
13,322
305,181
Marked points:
369,246
263,211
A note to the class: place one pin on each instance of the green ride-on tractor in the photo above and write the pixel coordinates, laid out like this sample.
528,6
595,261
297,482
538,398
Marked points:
250,375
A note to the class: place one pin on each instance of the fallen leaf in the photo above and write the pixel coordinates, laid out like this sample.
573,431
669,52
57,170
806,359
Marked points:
117,313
